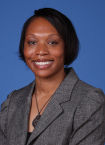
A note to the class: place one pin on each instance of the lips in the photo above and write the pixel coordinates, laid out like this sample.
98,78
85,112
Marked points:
43,64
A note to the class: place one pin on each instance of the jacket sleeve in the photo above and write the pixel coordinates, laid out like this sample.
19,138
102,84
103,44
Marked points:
89,120
3,120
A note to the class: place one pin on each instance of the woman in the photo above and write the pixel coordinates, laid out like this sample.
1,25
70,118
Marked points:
57,108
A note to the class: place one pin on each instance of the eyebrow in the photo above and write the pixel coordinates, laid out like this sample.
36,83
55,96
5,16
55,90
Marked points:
55,34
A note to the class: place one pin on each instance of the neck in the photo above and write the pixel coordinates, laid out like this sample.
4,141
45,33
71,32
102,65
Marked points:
47,86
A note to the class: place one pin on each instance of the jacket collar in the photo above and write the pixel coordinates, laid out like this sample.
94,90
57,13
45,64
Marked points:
53,109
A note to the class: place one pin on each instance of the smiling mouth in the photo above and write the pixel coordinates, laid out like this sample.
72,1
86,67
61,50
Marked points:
43,62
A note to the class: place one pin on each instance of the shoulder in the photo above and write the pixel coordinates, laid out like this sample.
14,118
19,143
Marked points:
3,112
12,98
92,103
90,92
15,94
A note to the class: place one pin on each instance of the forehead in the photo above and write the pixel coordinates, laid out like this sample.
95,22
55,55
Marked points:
40,25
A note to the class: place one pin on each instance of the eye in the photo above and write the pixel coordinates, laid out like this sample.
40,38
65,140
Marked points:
52,42
32,42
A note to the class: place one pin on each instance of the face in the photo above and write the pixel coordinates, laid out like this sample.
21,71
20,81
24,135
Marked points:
43,49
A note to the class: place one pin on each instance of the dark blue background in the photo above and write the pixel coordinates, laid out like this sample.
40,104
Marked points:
88,17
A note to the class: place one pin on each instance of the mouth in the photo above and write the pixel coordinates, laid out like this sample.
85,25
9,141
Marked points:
43,64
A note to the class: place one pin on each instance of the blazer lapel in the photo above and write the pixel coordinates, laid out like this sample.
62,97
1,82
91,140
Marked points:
50,114
54,109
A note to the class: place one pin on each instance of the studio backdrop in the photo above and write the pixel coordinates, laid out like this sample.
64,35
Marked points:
88,18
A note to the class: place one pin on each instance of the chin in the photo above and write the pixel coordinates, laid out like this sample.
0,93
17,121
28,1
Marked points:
43,74
46,73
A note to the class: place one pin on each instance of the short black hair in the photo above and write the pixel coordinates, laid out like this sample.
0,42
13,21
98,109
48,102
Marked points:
63,26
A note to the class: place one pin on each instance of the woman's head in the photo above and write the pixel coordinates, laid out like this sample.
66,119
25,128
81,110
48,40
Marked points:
63,26
44,49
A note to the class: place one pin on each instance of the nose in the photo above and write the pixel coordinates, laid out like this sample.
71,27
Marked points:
42,50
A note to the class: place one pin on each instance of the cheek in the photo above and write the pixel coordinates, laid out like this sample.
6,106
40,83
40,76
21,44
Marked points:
28,53
59,54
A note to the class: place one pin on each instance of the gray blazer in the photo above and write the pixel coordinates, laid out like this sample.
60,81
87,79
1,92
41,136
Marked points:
74,116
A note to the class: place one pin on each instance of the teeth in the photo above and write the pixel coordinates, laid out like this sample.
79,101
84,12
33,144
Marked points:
43,63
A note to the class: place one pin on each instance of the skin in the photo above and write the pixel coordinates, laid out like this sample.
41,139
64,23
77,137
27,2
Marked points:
44,55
